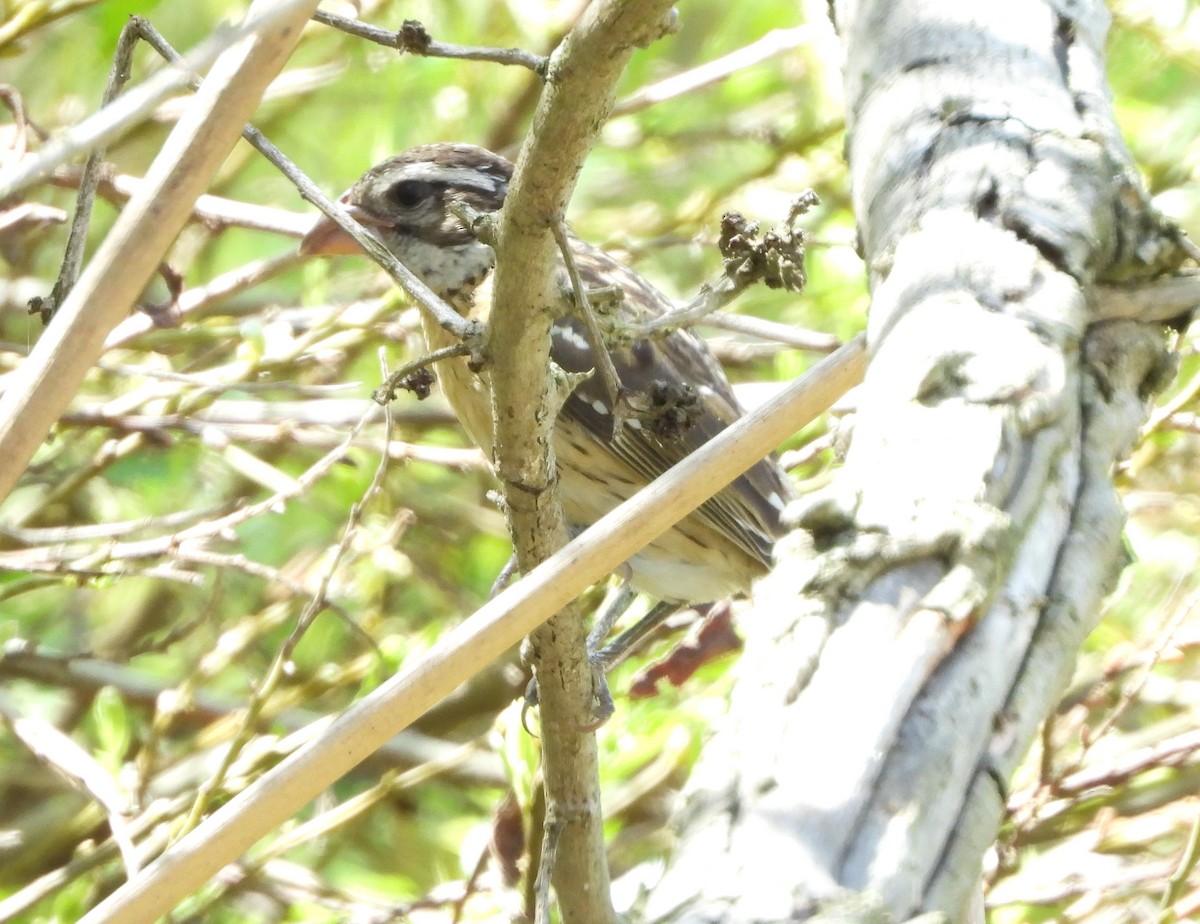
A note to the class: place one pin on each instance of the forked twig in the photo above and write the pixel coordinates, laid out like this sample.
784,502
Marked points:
404,377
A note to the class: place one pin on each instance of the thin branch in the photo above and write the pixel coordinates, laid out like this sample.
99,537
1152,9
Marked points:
135,107
1178,882
595,336
712,297
68,273
1163,299
470,332
402,378
412,38
785,334
771,45
215,212
1168,752
44,383
280,429
202,297
16,105
777,260
546,863
94,531
22,19
477,641
794,458
79,768
52,576
30,215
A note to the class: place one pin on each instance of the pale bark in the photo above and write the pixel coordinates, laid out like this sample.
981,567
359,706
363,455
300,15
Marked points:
927,613
580,85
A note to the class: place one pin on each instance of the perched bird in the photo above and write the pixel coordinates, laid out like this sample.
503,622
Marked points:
713,553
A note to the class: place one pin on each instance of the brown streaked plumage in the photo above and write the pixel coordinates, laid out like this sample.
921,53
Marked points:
714,552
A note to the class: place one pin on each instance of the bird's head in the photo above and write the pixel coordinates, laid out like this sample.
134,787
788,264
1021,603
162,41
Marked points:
406,202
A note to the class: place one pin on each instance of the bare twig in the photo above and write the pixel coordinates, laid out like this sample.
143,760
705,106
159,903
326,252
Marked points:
1119,769
278,428
777,260
21,19
20,140
79,768
45,382
29,215
769,46
134,107
107,531
712,297
90,178
785,334
494,629
468,331
1178,882
107,561
551,837
595,336
277,670
794,458
215,212
202,297
402,378
412,38
1164,299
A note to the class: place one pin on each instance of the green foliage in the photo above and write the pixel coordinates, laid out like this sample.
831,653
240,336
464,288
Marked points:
258,390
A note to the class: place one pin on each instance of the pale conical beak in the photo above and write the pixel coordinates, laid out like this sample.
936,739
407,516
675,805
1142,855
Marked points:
326,237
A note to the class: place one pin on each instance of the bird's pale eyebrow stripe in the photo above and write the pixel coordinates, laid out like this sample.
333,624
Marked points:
451,176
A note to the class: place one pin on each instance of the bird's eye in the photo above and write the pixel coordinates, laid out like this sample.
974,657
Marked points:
410,193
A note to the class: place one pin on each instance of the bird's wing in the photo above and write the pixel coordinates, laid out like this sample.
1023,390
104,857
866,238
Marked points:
747,511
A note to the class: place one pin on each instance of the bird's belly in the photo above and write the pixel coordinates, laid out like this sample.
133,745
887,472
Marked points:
690,563
466,391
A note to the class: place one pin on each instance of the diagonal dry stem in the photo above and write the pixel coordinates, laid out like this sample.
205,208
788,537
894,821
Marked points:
482,638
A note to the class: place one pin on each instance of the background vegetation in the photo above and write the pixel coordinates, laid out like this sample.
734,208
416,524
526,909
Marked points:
156,650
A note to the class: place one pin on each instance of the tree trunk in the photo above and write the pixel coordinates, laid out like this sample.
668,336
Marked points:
929,607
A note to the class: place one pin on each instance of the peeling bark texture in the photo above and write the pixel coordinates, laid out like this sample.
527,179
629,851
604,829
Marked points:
932,602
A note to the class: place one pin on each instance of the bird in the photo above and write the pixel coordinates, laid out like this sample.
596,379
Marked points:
409,202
